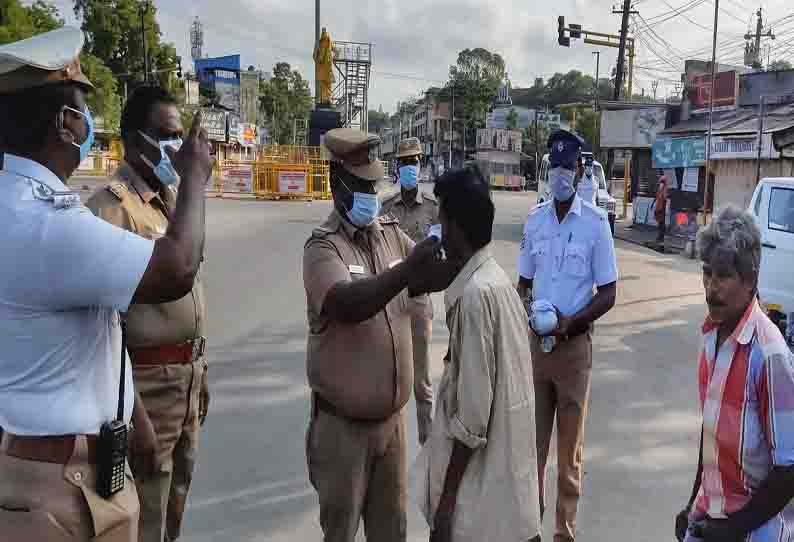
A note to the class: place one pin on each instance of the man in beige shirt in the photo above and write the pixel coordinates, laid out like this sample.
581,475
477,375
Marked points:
417,211
166,341
357,272
478,471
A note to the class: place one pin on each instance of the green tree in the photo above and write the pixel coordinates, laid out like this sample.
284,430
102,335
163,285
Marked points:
378,120
283,99
20,22
511,121
113,31
475,81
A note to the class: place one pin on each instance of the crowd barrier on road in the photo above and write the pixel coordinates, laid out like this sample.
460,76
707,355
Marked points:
278,172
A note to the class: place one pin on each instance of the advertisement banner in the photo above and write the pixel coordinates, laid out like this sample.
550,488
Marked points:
247,135
497,139
725,91
292,182
670,153
191,92
214,122
631,128
743,147
237,178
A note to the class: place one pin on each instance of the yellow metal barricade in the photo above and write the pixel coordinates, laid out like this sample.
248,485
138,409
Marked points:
291,172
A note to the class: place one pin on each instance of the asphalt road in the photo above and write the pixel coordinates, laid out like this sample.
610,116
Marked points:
251,482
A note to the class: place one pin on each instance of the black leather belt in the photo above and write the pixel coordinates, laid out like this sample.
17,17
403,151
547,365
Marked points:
333,410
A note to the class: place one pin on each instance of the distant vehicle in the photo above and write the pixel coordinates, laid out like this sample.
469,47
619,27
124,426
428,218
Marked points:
773,207
602,199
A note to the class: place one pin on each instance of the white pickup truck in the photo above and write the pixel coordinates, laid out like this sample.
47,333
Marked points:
773,207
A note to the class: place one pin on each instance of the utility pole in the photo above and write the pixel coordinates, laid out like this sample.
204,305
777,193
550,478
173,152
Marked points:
654,86
752,56
316,45
143,9
598,66
624,30
711,105
760,137
452,125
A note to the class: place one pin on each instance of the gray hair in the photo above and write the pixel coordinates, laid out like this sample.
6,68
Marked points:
733,231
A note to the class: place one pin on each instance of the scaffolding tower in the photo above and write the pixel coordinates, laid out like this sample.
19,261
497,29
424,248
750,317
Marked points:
353,62
196,39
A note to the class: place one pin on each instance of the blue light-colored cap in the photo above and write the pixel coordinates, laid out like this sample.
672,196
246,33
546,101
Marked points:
564,149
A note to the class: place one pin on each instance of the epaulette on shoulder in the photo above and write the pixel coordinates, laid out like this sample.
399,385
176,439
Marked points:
539,207
118,189
387,219
430,196
598,211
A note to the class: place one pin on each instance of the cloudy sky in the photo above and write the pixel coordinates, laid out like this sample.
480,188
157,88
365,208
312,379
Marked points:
415,41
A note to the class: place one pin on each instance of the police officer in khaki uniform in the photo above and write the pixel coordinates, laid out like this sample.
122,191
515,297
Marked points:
65,383
166,341
359,272
417,211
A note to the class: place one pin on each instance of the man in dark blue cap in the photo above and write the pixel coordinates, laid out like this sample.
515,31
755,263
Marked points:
566,252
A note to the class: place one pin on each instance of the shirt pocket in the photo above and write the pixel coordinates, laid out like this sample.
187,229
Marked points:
540,254
577,260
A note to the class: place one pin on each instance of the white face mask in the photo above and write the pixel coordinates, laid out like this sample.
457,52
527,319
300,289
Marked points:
561,183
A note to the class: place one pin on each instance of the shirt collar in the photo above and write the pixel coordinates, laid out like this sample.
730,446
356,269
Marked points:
30,169
745,331
455,290
128,173
576,207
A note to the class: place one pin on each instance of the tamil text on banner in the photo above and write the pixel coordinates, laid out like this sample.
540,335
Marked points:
669,153
292,182
214,122
497,139
237,178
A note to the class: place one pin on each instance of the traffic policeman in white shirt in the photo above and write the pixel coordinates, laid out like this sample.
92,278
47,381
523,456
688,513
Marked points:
64,279
588,183
566,252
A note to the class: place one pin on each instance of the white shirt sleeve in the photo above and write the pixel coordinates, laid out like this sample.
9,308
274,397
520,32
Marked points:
526,264
605,265
88,262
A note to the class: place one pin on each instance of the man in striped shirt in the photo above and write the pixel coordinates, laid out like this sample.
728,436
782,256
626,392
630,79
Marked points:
745,480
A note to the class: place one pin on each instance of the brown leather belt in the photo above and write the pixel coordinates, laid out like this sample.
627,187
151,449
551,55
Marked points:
170,354
46,449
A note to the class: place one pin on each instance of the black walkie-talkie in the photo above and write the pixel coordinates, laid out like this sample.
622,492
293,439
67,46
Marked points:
112,443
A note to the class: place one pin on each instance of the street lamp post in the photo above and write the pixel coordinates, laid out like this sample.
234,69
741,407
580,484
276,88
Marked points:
711,108
144,8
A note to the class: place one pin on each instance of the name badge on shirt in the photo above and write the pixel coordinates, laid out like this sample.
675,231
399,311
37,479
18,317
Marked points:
395,263
355,269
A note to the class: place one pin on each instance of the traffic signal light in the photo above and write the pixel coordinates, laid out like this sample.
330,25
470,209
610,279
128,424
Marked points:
561,38
179,67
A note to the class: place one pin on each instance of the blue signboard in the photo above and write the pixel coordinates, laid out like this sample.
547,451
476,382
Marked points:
222,68
680,152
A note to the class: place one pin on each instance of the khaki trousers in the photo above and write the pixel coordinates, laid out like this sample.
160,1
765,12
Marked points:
422,334
562,388
170,394
358,470
58,503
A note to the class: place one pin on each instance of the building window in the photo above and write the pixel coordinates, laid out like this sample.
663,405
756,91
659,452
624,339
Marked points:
781,210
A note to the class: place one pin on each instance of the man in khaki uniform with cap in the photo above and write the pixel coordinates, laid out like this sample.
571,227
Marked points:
358,270
65,379
416,211
166,341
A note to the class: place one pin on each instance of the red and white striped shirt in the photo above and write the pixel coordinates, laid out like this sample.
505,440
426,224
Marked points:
747,398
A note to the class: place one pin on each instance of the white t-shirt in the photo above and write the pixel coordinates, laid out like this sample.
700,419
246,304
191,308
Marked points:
64,277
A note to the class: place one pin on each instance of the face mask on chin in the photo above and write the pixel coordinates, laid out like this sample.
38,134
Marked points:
85,146
164,170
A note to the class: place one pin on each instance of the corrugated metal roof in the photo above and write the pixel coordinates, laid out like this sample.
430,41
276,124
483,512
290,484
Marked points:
776,119
700,124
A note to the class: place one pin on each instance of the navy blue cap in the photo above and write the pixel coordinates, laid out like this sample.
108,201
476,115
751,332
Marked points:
588,161
564,149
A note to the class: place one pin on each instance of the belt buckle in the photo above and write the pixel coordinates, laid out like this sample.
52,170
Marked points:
199,347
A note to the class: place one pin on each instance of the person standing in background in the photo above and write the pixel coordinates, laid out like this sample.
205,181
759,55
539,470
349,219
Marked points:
660,212
416,211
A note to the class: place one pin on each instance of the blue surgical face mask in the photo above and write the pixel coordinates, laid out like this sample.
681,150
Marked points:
561,183
85,146
164,170
366,208
409,176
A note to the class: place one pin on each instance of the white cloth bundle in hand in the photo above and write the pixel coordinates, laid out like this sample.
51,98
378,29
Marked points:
543,317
